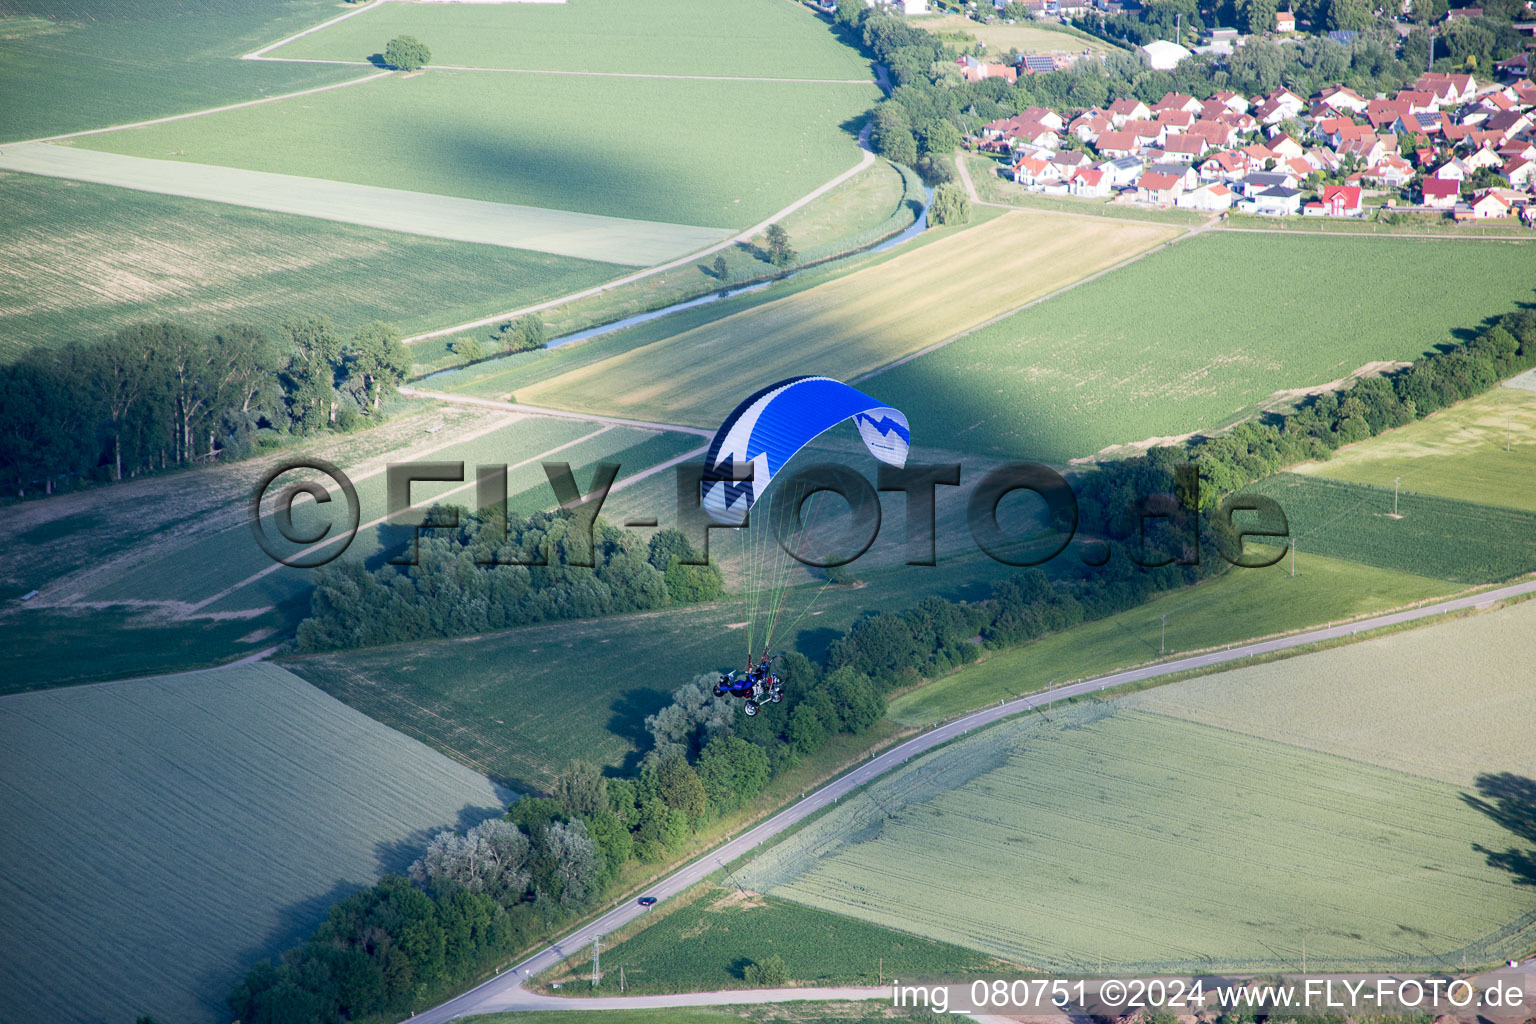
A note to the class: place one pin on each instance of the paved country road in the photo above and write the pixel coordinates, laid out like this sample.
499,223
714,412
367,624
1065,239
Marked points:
505,992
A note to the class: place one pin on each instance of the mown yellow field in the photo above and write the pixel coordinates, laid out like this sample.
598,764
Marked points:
1482,450
853,324
1026,37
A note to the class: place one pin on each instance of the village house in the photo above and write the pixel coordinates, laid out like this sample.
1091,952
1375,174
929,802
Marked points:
1341,201
1128,109
1089,182
1212,198
1158,188
1122,172
976,71
1489,205
1185,148
1117,144
1440,193
1279,201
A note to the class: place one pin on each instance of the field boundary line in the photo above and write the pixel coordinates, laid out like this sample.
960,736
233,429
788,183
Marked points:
201,113
366,469
321,545
866,159
942,342
535,410
257,54
505,992
1379,234
579,74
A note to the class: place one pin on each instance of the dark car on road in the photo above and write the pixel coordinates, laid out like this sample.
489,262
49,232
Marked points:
647,901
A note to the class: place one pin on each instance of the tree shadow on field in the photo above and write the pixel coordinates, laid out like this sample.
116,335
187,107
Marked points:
854,125
814,643
1510,800
295,922
630,709
378,61
394,856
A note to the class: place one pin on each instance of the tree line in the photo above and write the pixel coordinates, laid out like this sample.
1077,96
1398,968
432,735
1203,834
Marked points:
155,396
474,898
465,580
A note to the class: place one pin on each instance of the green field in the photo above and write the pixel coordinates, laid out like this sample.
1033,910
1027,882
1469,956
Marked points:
1390,700
748,38
1160,845
519,704
1199,334
1441,537
1024,36
716,154
1482,450
704,946
85,64
171,577
80,260
1235,607
880,201
164,834
851,324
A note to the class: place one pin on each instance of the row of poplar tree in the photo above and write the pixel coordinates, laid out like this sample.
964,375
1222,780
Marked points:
159,395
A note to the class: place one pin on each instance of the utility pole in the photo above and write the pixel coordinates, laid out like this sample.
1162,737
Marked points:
1162,647
1394,494
621,979
597,948
1303,954
1293,558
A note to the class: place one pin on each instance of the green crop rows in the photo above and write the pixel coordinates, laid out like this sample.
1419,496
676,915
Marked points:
1200,333
750,38
1384,700
703,947
1159,845
716,154
84,64
78,261
1441,537
164,834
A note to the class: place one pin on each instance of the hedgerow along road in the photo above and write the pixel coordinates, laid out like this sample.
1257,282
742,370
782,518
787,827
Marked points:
505,992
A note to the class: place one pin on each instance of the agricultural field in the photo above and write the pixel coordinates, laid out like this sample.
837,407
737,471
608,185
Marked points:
1235,607
718,154
766,39
1024,36
80,260
1482,450
519,704
852,324
877,203
188,564
1440,537
1157,844
1100,366
1390,701
703,946
84,64
155,846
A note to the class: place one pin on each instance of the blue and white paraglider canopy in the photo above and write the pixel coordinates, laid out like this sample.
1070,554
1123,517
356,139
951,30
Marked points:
772,425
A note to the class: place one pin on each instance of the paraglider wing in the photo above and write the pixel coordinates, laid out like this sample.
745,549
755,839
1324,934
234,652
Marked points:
772,425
